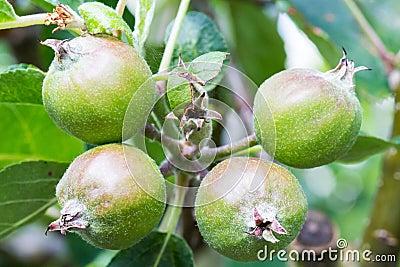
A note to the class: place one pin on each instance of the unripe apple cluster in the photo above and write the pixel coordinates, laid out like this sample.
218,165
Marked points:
113,195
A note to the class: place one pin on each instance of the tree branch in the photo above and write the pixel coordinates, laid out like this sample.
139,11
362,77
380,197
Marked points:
384,53
25,21
173,212
382,235
229,149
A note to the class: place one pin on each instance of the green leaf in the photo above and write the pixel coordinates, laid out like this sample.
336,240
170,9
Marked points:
207,67
7,12
100,18
26,191
331,17
197,36
143,18
27,133
367,146
178,93
176,254
21,84
258,46
198,41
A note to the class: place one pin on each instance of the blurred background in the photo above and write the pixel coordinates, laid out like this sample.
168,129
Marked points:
263,37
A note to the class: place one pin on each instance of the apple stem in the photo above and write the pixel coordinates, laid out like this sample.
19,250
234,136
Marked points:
174,210
243,145
229,149
161,106
169,48
161,77
62,15
24,21
120,7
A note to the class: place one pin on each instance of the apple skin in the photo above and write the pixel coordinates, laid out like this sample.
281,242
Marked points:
306,118
90,84
226,200
112,196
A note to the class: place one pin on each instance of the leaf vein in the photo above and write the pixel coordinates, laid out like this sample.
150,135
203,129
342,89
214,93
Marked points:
17,201
37,181
29,217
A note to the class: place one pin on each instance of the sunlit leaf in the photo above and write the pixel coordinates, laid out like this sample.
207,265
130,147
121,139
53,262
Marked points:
7,12
100,18
143,18
21,84
27,133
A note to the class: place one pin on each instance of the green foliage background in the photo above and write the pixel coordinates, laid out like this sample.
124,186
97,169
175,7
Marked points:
345,192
